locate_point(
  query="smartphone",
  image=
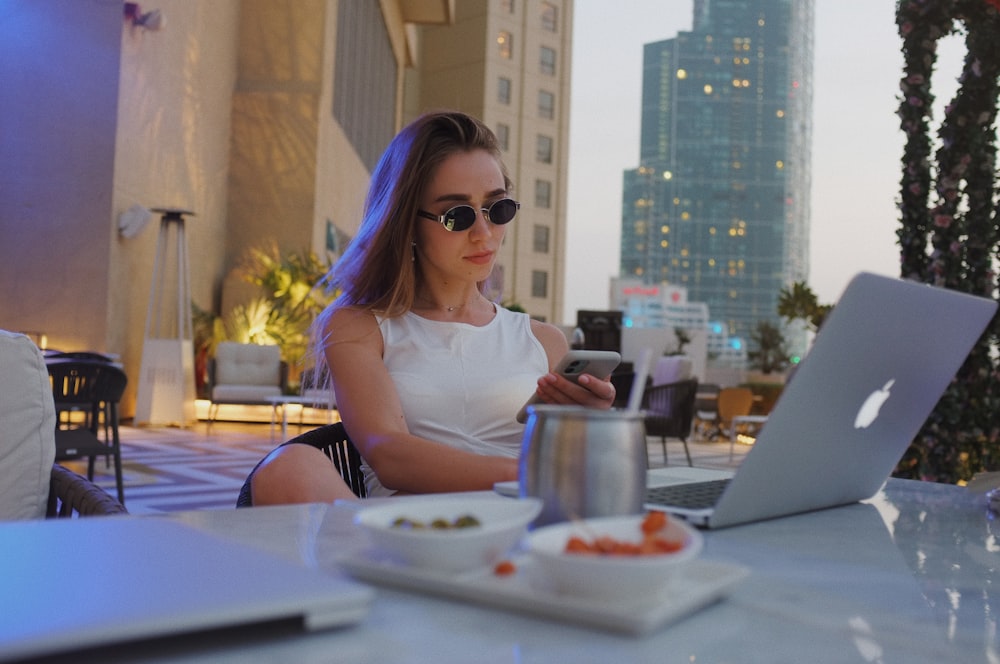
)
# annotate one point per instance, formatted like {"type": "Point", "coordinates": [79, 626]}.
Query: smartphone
{"type": "Point", "coordinates": [599, 363]}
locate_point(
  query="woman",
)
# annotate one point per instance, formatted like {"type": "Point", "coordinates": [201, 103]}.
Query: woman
{"type": "Point", "coordinates": [428, 372]}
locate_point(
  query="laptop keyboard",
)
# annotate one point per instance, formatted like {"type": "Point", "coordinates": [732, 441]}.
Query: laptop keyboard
{"type": "Point", "coordinates": [694, 495]}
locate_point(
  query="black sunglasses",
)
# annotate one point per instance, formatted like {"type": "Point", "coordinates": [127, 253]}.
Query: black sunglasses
{"type": "Point", "coordinates": [462, 217]}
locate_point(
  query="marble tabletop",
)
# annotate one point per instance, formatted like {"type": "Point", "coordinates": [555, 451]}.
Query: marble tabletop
{"type": "Point", "coordinates": [911, 575]}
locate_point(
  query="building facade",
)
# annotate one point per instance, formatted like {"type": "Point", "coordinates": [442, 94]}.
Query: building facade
{"type": "Point", "coordinates": [265, 118]}
{"type": "Point", "coordinates": [519, 84]}
{"type": "Point", "coordinates": [719, 203]}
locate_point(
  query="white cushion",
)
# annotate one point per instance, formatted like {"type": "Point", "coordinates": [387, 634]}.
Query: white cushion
{"type": "Point", "coordinates": [27, 429]}
{"type": "Point", "coordinates": [247, 364]}
{"type": "Point", "coordinates": [244, 393]}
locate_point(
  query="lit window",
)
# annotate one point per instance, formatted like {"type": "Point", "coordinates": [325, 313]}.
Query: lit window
{"type": "Point", "coordinates": [707, 89]}
{"type": "Point", "coordinates": [546, 104]}
{"type": "Point", "coordinates": [550, 17]}
{"type": "Point", "coordinates": [505, 42]}
{"type": "Point", "coordinates": [548, 61]}
{"type": "Point", "coordinates": [682, 74]}
{"type": "Point", "coordinates": [503, 90]}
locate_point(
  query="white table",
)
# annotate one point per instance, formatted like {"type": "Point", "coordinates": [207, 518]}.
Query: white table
{"type": "Point", "coordinates": [282, 402]}
{"type": "Point", "coordinates": [916, 579]}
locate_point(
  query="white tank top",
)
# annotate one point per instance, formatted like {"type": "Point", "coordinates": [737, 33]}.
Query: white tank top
{"type": "Point", "coordinates": [462, 385]}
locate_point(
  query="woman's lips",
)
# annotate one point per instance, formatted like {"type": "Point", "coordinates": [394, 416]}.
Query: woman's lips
{"type": "Point", "coordinates": [481, 258]}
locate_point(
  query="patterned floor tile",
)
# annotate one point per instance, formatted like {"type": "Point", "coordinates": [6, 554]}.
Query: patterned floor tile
{"type": "Point", "coordinates": [170, 469]}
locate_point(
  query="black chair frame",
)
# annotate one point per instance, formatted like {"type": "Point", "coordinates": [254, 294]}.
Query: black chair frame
{"type": "Point", "coordinates": [94, 388]}
{"type": "Point", "coordinates": [668, 411]}
{"type": "Point", "coordinates": [333, 441]}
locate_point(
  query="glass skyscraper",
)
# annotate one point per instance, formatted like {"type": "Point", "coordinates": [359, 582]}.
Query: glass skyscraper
{"type": "Point", "coordinates": [720, 201]}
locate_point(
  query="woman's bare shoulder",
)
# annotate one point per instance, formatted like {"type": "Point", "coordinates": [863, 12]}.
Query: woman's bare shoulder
{"type": "Point", "coordinates": [552, 339]}
{"type": "Point", "coordinates": [351, 324]}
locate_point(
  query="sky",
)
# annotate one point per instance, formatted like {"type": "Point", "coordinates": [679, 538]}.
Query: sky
{"type": "Point", "coordinates": [856, 149]}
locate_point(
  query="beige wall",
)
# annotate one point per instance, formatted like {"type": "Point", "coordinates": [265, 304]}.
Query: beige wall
{"type": "Point", "coordinates": [59, 65]}
{"type": "Point", "coordinates": [226, 111]}
{"type": "Point", "coordinates": [172, 150]}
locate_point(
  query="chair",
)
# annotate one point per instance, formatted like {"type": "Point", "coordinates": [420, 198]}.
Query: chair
{"type": "Point", "coordinates": [72, 495]}
{"type": "Point", "coordinates": [706, 410]}
{"type": "Point", "coordinates": [733, 402]}
{"type": "Point", "coordinates": [668, 410]}
{"type": "Point", "coordinates": [95, 388]}
{"type": "Point", "coordinates": [330, 439]}
{"type": "Point", "coordinates": [623, 387]}
{"type": "Point", "coordinates": [245, 374]}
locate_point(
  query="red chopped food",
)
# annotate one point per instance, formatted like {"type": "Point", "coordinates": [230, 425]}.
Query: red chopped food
{"type": "Point", "coordinates": [505, 568]}
{"type": "Point", "coordinates": [651, 542]}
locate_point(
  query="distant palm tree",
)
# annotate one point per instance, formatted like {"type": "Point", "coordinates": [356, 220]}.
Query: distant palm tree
{"type": "Point", "coordinates": [771, 354]}
{"type": "Point", "coordinates": [801, 303]}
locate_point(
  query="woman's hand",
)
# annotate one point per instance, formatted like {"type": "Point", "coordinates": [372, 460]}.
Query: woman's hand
{"type": "Point", "coordinates": [590, 391]}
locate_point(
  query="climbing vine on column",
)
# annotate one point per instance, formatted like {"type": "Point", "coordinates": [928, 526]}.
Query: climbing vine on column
{"type": "Point", "coordinates": [948, 206]}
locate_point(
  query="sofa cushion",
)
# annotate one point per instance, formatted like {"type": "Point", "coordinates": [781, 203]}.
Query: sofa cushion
{"type": "Point", "coordinates": [27, 429]}
{"type": "Point", "coordinates": [247, 364]}
{"type": "Point", "coordinates": [244, 393]}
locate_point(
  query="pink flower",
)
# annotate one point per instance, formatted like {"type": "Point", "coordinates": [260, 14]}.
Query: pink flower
{"type": "Point", "coordinates": [942, 220]}
{"type": "Point", "coordinates": [915, 188]}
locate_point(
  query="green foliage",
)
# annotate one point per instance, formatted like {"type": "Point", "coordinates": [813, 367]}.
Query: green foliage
{"type": "Point", "coordinates": [770, 352]}
{"type": "Point", "coordinates": [514, 306]}
{"type": "Point", "coordinates": [293, 295]}
{"type": "Point", "coordinates": [948, 210]}
{"type": "Point", "coordinates": [801, 303]}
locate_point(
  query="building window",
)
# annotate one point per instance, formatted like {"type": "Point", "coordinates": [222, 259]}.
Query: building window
{"type": "Point", "coordinates": [505, 42]}
{"type": "Point", "coordinates": [503, 136]}
{"type": "Point", "coordinates": [543, 151]}
{"type": "Point", "coordinates": [550, 17]}
{"type": "Point", "coordinates": [539, 283]}
{"type": "Point", "coordinates": [507, 6]}
{"type": "Point", "coordinates": [503, 90]}
{"type": "Point", "coordinates": [548, 61]}
{"type": "Point", "coordinates": [546, 104]}
{"type": "Point", "coordinates": [543, 194]}
{"type": "Point", "coordinates": [541, 239]}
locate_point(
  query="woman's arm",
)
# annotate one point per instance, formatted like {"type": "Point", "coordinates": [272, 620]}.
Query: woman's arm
{"type": "Point", "coordinates": [370, 408]}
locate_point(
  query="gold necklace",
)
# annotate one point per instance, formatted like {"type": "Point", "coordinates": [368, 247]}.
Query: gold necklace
{"type": "Point", "coordinates": [435, 305]}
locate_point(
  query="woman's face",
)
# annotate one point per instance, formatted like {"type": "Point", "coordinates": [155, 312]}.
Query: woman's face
{"type": "Point", "coordinates": [465, 178]}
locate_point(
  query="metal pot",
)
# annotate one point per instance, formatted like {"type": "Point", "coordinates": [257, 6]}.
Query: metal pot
{"type": "Point", "coordinates": [583, 462]}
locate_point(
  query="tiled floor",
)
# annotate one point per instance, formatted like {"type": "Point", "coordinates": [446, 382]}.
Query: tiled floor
{"type": "Point", "coordinates": [172, 469]}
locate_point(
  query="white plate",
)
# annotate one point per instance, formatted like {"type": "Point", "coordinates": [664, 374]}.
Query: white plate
{"type": "Point", "coordinates": [702, 583]}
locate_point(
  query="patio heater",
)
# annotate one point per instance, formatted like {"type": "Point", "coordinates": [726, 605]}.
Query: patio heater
{"type": "Point", "coordinates": [166, 391]}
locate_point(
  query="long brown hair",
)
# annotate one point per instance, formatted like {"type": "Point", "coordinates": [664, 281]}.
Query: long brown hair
{"type": "Point", "coordinates": [377, 272]}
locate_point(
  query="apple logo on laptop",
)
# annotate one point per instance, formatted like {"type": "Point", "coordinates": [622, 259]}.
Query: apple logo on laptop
{"type": "Point", "coordinates": [870, 408]}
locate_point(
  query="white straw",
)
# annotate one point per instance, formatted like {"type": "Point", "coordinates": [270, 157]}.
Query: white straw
{"type": "Point", "coordinates": [639, 382]}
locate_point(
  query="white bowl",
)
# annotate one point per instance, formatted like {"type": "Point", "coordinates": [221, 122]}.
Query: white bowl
{"type": "Point", "coordinates": [504, 522]}
{"type": "Point", "coordinates": [610, 576]}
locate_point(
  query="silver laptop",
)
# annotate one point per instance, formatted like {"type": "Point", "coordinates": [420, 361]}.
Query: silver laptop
{"type": "Point", "coordinates": [73, 586]}
{"type": "Point", "coordinates": [875, 371]}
